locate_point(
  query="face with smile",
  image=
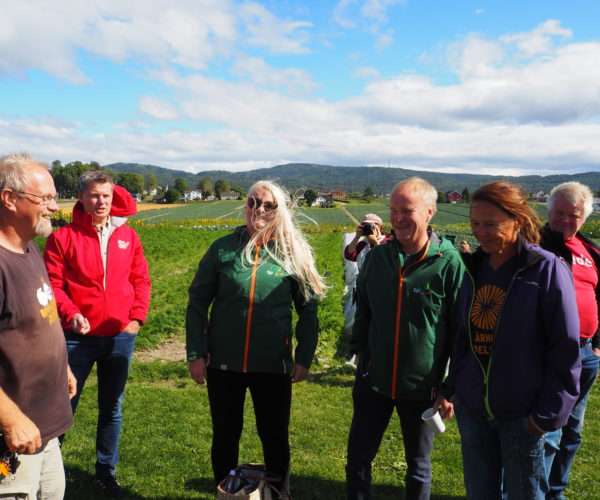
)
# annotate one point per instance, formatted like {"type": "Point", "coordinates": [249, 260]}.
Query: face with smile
{"type": "Point", "coordinates": [260, 208]}
{"type": "Point", "coordinates": [97, 200]}
{"type": "Point", "coordinates": [494, 229]}
{"type": "Point", "coordinates": [35, 211]}
{"type": "Point", "coordinates": [409, 217]}
{"type": "Point", "coordinates": [566, 218]}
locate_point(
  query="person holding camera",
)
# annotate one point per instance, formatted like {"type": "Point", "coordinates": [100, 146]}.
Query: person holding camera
{"type": "Point", "coordinates": [368, 235]}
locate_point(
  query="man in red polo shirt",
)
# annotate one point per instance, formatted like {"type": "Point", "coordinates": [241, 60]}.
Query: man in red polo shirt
{"type": "Point", "coordinates": [569, 205]}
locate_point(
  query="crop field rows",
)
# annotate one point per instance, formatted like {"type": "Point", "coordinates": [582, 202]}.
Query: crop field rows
{"type": "Point", "coordinates": [232, 209]}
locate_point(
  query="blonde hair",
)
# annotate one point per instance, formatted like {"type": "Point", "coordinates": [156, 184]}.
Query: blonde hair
{"type": "Point", "coordinates": [287, 246]}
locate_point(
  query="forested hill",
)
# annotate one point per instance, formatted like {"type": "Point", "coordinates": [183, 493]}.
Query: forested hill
{"type": "Point", "coordinates": [326, 177]}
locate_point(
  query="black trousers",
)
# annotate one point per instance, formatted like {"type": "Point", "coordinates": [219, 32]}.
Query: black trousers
{"type": "Point", "coordinates": [372, 413]}
{"type": "Point", "coordinates": [272, 399]}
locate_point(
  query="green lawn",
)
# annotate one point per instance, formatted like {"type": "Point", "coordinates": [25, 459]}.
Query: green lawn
{"type": "Point", "coordinates": [165, 447]}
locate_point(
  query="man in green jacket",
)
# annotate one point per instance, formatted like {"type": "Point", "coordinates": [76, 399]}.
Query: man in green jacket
{"type": "Point", "coordinates": [405, 319]}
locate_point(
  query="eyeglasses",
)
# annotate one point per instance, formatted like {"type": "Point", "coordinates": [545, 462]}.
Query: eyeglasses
{"type": "Point", "coordinates": [46, 198]}
{"type": "Point", "coordinates": [256, 203]}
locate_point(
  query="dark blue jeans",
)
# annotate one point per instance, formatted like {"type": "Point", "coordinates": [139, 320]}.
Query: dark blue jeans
{"type": "Point", "coordinates": [112, 356]}
{"type": "Point", "coordinates": [562, 445]}
{"type": "Point", "coordinates": [372, 413]}
{"type": "Point", "coordinates": [494, 451]}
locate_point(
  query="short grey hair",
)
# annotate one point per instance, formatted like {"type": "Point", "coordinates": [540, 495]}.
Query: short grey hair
{"type": "Point", "coordinates": [94, 177]}
{"type": "Point", "coordinates": [424, 188]}
{"type": "Point", "coordinates": [13, 171]}
{"type": "Point", "coordinates": [574, 193]}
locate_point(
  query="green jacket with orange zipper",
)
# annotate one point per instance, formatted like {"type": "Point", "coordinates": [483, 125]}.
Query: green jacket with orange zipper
{"type": "Point", "coordinates": [250, 325]}
{"type": "Point", "coordinates": [406, 317]}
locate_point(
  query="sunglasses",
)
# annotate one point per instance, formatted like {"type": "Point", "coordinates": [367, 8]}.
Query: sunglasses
{"type": "Point", "coordinates": [255, 203]}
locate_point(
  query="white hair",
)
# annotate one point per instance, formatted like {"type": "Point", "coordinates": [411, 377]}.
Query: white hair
{"type": "Point", "coordinates": [424, 188]}
{"type": "Point", "coordinates": [287, 246]}
{"type": "Point", "coordinates": [14, 174]}
{"type": "Point", "coordinates": [574, 193]}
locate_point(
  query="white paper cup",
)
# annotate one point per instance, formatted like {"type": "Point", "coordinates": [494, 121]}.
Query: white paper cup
{"type": "Point", "coordinates": [434, 421]}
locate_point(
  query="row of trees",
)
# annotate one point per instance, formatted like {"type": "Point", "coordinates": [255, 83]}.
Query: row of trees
{"type": "Point", "coordinates": [205, 186]}
{"type": "Point", "coordinates": [66, 180]}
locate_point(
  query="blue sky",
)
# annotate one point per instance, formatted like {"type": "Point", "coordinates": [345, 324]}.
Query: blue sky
{"type": "Point", "coordinates": [455, 86]}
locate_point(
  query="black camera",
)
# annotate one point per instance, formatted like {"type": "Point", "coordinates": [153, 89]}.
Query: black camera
{"type": "Point", "coordinates": [367, 229]}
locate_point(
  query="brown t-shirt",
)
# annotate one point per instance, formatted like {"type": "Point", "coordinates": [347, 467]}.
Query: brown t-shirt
{"type": "Point", "coordinates": [33, 356]}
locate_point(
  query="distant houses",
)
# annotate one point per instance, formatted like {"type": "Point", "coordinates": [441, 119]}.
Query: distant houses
{"type": "Point", "coordinates": [321, 200]}
{"type": "Point", "coordinates": [538, 195]}
{"type": "Point", "coordinates": [230, 195]}
{"type": "Point", "coordinates": [192, 195]}
{"type": "Point", "coordinates": [325, 199]}
{"type": "Point", "coordinates": [453, 197]}
{"type": "Point", "coordinates": [338, 195]}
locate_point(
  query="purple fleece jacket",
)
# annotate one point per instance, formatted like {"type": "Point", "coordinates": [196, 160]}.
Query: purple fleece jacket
{"type": "Point", "coordinates": [534, 367]}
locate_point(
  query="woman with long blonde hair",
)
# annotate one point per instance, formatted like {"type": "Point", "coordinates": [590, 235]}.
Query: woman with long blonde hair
{"type": "Point", "coordinates": [252, 278]}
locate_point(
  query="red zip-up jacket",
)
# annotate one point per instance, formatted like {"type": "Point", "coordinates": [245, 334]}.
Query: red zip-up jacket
{"type": "Point", "coordinates": [74, 263]}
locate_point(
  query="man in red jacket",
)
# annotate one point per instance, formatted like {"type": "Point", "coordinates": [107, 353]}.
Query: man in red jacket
{"type": "Point", "coordinates": [100, 279]}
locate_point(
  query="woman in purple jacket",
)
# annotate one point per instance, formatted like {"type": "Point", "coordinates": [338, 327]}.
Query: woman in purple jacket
{"type": "Point", "coordinates": [515, 369]}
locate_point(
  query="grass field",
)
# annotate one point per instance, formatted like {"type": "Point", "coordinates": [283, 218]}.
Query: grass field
{"type": "Point", "coordinates": [165, 448]}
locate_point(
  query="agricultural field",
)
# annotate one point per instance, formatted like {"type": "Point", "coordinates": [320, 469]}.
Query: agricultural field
{"type": "Point", "coordinates": [231, 209]}
{"type": "Point", "coordinates": [324, 216]}
{"type": "Point", "coordinates": [165, 450]}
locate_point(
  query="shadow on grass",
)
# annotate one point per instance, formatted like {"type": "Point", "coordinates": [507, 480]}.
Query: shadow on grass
{"type": "Point", "coordinates": [314, 488]}
{"type": "Point", "coordinates": [341, 376]}
{"type": "Point", "coordinates": [80, 486]}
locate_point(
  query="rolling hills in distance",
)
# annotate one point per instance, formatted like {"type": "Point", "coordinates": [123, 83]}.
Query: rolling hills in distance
{"type": "Point", "coordinates": [353, 179]}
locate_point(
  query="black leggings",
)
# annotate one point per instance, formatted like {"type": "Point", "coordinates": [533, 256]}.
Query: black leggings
{"type": "Point", "coordinates": [272, 398]}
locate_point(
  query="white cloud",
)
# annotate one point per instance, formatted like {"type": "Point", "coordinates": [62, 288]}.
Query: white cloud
{"type": "Point", "coordinates": [346, 11]}
{"type": "Point", "coordinates": [384, 39]}
{"type": "Point", "coordinates": [290, 80]}
{"type": "Point", "coordinates": [265, 30]}
{"type": "Point", "coordinates": [340, 13]}
{"type": "Point", "coordinates": [372, 15]}
{"type": "Point", "coordinates": [538, 41]}
{"type": "Point", "coordinates": [187, 33]}
{"type": "Point", "coordinates": [244, 106]}
{"type": "Point", "coordinates": [491, 150]}
{"type": "Point", "coordinates": [377, 9]}
{"type": "Point", "coordinates": [366, 72]}
{"type": "Point", "coordinates": [157, 108]}
{"type": "Point", "coordinates": [504, 113]}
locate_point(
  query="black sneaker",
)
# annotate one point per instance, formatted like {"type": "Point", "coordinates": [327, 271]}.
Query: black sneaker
{"type": "Point", "coordinates": [110, 486]}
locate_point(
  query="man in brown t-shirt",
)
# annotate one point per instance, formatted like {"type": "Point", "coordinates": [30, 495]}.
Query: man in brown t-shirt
{"type": "Point", "coordinates": [35, 380]}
